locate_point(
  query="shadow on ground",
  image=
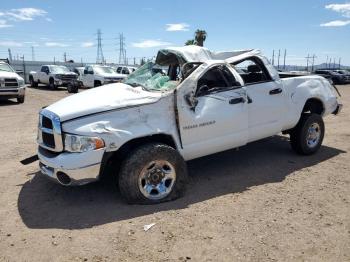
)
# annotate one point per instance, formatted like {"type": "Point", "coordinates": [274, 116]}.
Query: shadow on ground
{"type": "Point", "coordinates": [47, 88]}
{"type": "Point", "coordinates": [8, 102]}
{"type": "Point", "coordinates": [43, 204]}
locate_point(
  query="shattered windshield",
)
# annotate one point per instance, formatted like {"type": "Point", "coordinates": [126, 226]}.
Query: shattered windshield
{"type": "Point", "coordinates": [151, 77]}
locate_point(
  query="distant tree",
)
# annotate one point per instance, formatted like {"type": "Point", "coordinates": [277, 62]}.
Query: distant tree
{"type": "Point", "coordinates": [200, 37]}
{"type": "Point", "coordinates": [190, 42]}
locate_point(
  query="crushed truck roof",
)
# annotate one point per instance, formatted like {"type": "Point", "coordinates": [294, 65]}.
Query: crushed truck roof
{"type": "Point", "coordinates": [194, 53]}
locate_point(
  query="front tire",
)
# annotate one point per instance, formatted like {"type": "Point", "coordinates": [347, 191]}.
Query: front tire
{"type": "Point", "coordinates": [152, 173]}
{"type": "Point", "coordinates": [20, 99]}
{"type": "Point", "coordinates": [52, 85]}
{"type": "Point", "coordinates": [306, 138]}
{"type": "Point", "coordinates": [72, 88]}
{"type": "Point", "coordinates": [32, 82]}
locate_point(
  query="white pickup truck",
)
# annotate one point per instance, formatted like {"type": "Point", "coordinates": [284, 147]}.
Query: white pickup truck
{"type": "Point", "coordinates": [98, 75]}
{"type": "Point", "coordinates": [53, 76]}
{"type": "Point", "coordinates": [11, 84]}
{"type": "Point", "coordinates": [143, 130]}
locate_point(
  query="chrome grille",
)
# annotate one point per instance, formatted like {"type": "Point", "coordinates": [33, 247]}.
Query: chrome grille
{"type": "Point", "coordinates": [49, 131]}
{"type": "Point", "coordinates": [8, 82]}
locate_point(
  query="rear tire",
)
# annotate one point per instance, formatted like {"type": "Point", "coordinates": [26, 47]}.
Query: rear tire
{"type": "Point", "coordinates": [152, 173]}
{"type": "Point", "coordinates": [306, 138]}
{"type": "Point", "coordinates": [97, 83]}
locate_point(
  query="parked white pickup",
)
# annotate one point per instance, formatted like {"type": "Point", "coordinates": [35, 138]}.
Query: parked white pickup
{"type": "Point", "coordinates": [97, 75]}
{"type": "Point", "coordinates": [144, 129]}
{"type": "Point", "coordinates": [11, 84]}
{"type": "Point", "coordinates": [52, 75]}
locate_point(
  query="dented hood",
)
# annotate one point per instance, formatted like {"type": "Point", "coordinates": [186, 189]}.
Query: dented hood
{"type": "Point", "coordinates": [104, 98]}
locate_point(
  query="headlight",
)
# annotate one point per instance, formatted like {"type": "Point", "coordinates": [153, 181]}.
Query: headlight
{"type": "Point", "coordinates": [75, 143]}
{"type": "Point", "coordinates": [21, 82]}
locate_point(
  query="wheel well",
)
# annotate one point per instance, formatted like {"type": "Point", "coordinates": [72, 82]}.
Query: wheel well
{"type": "Point", "coordinates": [111, 161]}
{"type": "Point", "coordinates": [51, 78]}
{"type": "Point", "coordinates": [97, 81]}
{"type": "Point", "coordinates": [313, 105]}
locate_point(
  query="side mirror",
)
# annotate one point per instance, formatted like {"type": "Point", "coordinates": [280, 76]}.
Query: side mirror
{"type": "Point", "coordinates": [202, 90]}
{"type": "Point", "coordinates": [85, 72]}
{"type": "Point", "coordinates": [47, 72]}
{"type": "Point", "coordinates": [191, 100]}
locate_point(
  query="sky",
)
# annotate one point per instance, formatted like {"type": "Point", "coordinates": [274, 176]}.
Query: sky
{"type": "Point", "coordinates": [303, 27]}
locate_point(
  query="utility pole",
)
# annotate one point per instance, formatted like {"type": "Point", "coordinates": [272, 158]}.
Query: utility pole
{"type": "Point", "coordinates": [284, 59]}
{"type": "Point", "coordinates": [24, 68]}
{"type": "Point", "coordinates": [65, 57]}
{"type": "Point", "coordinates": [99, 58]}
{"type": "Point", "coordinates": [273, 57]}
{"type": "Point", "coordinates": [339, 62]}
{"type": "Point", "coordinates": [334, 63]}
{"type": "Point", "coordinates": [54, 60]}
{"type": "Point", "coordinates": [121, 49]}
{"type": "Point", "coordinates": [307, 62]}
{"type": "Point", "coordinates": [313, 62]}
{"type": "Point", "coordinates": [134, 60]}
{"type": "Point", "coordinates": [10, 55]}
{"type": "Point", "coordinates": [33, 54]}
{"type": "Point", "coordinates": [279, 55]}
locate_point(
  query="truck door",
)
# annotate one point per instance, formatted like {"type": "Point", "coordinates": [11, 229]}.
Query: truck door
{"type": "Point", "coordinates": [267, 99]}
{"type": "Point", "coordinates": [44, 75]}
{"type": "Point", "coordinates": [219, 118]}
{"type": "Point", "coordinates": [88, 77]}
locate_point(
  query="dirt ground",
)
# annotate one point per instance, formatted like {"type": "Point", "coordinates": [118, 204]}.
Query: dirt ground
{"type": "Point", "coordinates": [260, 203]}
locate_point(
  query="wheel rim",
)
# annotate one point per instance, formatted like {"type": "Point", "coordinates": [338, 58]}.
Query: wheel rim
{"type": "Point", "coordinates": [313, 135]}
{"type": "Point", "coordinates": [157, 179]}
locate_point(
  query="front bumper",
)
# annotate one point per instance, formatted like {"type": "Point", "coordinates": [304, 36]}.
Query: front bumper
{"type": "Point", "coordinates": [12, 92]}
{"type": "Point", "coordinates": [71, 168]}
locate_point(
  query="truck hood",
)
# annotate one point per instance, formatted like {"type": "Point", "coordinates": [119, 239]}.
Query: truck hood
{"type": "Point", "coordinates": [101, 99]}
{"type": "Point", "coordinates": [112, 75]}
{"type": "Point", "coordinates": [4, 74]}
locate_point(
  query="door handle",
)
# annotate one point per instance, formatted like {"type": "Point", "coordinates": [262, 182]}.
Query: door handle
{"type": "Point", "coordinates": [276, 91]}
{"type": "Point", "coordinates": [237, 100]}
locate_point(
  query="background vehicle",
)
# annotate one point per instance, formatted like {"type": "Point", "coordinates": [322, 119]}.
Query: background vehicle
{"type": "Point", "coordinates": [345, 73]}
{"type": "Point", "coordinates": [125, 70]}
{"type": "Point", "coordinates": [97, 75]}
{"type": "Point", "coordinates": [11, 84]}
{"type": "Point", "coordinates": [337, 78]}
{"type": "Point", "coordinates": [52, 75]}
{"type": "Point", "coordinates": [141, 131]}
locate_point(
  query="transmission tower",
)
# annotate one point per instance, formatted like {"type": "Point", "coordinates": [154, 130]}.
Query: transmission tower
{"type": "Point", "coordinates": [10, 54]}
{"type": "Point", "coordinates": [122, 50]}
{"type": "Point", "coordinates": [33, 54]}
{"type": "Point", "coordinates": [99, 59]}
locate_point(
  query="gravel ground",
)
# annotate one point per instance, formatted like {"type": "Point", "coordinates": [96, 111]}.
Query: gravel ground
{"type": "Point", "coordinates": [259, 203]}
